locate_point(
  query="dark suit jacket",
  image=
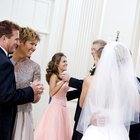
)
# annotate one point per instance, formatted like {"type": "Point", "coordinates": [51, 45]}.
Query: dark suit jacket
{"type": "Point", "coordinates": [10, 97]}
{"type": "Point", "coordinates": [135, 129]}
{"type": "Point", "coordinates": [75, 83]}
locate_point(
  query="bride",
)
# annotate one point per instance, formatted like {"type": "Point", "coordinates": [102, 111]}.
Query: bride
{"type": "Point", "coordinates": [113, 95]}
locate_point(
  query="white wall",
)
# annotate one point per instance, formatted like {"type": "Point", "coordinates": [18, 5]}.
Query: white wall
{"type": "Point", "coordinates": [118, 16]}
{"type": "Point", "coordinates": [135, 47]}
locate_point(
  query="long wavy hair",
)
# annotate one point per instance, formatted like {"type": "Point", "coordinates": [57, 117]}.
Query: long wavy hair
{"type": "Point", "coordinates": [52, 67]}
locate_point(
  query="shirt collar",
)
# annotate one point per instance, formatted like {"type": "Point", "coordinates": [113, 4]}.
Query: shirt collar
{"type": "Point", "coordinates": [4, 50]}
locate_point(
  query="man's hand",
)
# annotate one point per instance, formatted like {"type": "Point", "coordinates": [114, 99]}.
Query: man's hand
{"type": "Point", "coordinates": [36, 98]}
{"type": "Point", "coordinates": [37, 87]}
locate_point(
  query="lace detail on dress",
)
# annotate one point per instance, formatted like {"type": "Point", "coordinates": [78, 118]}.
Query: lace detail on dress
{"type": "Point", "coordinates": [25, 72]}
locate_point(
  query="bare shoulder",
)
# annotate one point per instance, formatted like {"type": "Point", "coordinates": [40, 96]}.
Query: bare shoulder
{"type": "Point", "coordinates": [88, 79]}
{"type": "Point", "coordinates": [53, 77]}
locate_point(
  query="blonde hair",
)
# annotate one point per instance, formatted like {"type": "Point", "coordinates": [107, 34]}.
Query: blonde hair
{"type": "Point", "coordinates": [27, 33]}
{"type": "Point", "coordinates": [100, 41]}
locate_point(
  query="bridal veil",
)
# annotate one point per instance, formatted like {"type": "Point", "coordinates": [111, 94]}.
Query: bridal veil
{"type": "Point", "coordinates": [114, 91]}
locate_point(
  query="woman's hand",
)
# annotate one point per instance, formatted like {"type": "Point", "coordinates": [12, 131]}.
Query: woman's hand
{"type": "Point", "coordinates": [97, 119]}
{"type": "Point", "coordinates": [65, 76]}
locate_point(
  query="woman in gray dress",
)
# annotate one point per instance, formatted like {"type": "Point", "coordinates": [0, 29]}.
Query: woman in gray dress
{"type": "Point", "coordinates": [26, 71]}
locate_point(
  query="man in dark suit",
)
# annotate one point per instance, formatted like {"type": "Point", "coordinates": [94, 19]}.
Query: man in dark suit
{"type": "Point", "coordinates": [135, 128]}
{"type": "Point", "coordinates": [135, 132]}
{"type": "Point", "coordinates": [76, 83]}
{"type": "Point", "coordinates": [9, 96]}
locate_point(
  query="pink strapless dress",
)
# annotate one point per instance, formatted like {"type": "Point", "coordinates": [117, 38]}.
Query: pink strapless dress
{"type": "Point", "coordinates": [55, 122]}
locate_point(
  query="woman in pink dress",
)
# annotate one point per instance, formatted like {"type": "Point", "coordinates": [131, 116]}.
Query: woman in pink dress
{"type": "Point", "coordinates": [55, 122]}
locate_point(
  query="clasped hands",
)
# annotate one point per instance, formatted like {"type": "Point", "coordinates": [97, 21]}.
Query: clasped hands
{"type": "Point", "coordinates": [38, 88]}
{"type": "Point", "coordinates": [65, 76]}
{"type": "Point", "coordinates": [97, 119]}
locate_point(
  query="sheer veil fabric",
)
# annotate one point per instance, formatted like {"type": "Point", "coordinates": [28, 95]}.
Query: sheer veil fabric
{"type": "Point", "coordinates": [114, 91]}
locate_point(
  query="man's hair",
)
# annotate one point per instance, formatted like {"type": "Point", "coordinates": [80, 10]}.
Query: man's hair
{"type": "Point", "coordinates": [99, 52]}
{"type": "Point", "coordinates": [6, 28]}
{"type": "Point", "coordinates": [99, 41]}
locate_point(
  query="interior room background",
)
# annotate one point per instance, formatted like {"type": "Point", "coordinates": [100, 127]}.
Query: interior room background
{"type": "Point", "coordinates": [70, 26]}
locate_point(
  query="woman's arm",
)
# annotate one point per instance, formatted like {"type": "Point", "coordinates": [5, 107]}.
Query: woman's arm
{"type": "Point", "coordinates": [85, 88]}
{"type": "Point", "coordinates": [37, 73]}
{"type": "Point", "coordinates": [83, 93]}
{"type": "Point", "coordinates": [36, 76]}
{"type": "Point", "coordinates": [53, 86]}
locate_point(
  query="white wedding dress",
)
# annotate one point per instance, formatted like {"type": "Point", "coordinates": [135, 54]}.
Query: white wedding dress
{"type": "Point", "coordinates": [105, 133]}
{"type": "Point", "coordinates": [113, 94]}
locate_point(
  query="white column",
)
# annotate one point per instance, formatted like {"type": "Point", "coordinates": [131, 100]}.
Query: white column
{"type": "Point", "coordinates": [136, 37]}
{"type": "Point", "coordinates": [78, 35]}
{"type": "Point", "coordinates": [57, 27]}
{"type": "Point", "coordinates": [138, 62]}
{"type": "Point", "coordinates": [116, 18]}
